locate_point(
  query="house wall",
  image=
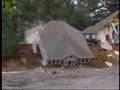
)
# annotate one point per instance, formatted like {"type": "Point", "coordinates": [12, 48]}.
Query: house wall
{"type": "Point", "coordinates": [71, 60]}
{"type": "Point", "coordinates": [101, 35]}
{"type": "Point", "coordinates": [31, 38]}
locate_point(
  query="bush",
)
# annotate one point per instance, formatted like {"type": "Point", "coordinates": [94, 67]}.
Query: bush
{"type": "Point", "coordinates": [9, 34]}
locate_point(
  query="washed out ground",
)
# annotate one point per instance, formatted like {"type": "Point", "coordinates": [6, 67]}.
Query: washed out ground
{"type": "Point", "coordinates": [94, 76]}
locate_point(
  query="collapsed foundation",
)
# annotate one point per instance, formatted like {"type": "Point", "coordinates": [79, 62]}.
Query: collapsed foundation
{"type": "Point", "coordinates": [69, 61]}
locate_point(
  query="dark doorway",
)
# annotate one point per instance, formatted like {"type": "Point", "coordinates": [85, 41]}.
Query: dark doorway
{"type": "Point", "coordinates": [39, 52]}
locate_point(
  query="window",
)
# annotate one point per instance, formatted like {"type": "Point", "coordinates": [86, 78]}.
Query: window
{"type": "Point", "coordinates": [82, 60]}
{"type": "Point", "coordinates": [49, 62]}
{"type": "Point", "coordinates": [57, 61]}
{"type": "Point", "coordinates": [62, 62]}
{"type": "Point", "coordinates": [70, 56]}
{"type": "Point", "coordinates": [93, 36]}
{"type": "Point", "coordinates": [86, 60]}
{"type": "Point", "coordinates": [90, 37]}
{"type": "Point", "coordinates": [87, 36]}
{"type": "Point", "coordinates": [70, 62]}
{"type": "Point", "coordinates": [53, 61]}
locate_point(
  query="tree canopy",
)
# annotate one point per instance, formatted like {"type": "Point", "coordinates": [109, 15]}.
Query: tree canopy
{"type": "Point", "coordinates": [9, 28]}
{"type": "Point", "coordinates": [19, 14]}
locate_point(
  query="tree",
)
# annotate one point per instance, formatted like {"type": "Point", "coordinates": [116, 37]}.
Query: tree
{"type": "Point", "coordinates": [75, 15]}
{"type": "Point", "coordinates": [98, 9]}
{"type": "Point", "coordinates": [112, 5]}
{"type": "Point", "coordinates": [80, 20]}
{"type": "Point", "coordinates": [27, 11]}
{"type": "Point", "coordinates": [9, 28]}
{"type": "Point", "coordinates": [31, 11]}
{"type": "Point", "coordinates": [51, 9]}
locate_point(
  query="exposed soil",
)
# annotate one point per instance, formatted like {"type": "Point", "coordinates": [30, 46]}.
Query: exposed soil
{"type": "Point", "coordinates": [101, 57]}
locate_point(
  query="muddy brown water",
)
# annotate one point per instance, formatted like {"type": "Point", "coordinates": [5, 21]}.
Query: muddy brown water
{"type": "Point", "coordinates": [70, 78]}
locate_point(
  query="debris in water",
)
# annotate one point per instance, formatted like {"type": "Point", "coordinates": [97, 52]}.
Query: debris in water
{"type": "Point", "coordinates": [116, 52]}
{"type": "Point", "coordinates": [23, 60]}
{"type": "Point", "coordinates": [108, 64]}
{"type": "Point", "coordinates": [13, 72]}
{"type": "Point", "coordinates": [109, 55]}
{"type": "Point", "coordinates": [42, 69]}
{"type": "Point", "coordinates": [54, 72]}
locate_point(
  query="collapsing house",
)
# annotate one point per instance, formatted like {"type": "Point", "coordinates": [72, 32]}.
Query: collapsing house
{"type": "Point", "coordinates": [59, 43]}
{"type": "Point", "coordinates": [99, 31]}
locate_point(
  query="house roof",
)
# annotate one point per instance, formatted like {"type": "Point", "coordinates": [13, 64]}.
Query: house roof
{"type": "Point", "coordinates": [60, 40]}
{"type": "Point", "coordinates": [32, 35]}
{"type": "Point", "coordinates": [98, 26]}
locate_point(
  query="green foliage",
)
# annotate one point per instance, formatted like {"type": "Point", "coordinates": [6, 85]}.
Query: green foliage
{"type": "Point", "coordinates": [9, 30]}
{"type": "Point", "coordinates": [23, 13]}
{"type": "Point", "coordinates": [51, 10]}
{"type": "Point", "coordinates": [99, 8]}
{"type": "Point", "coordinates": [80, 20]}
{"type": "Point", "coordinates": [76, 15]}
{"type": "Point", "coordinates": [8, 6]}
{"type": "Point", "coordinates": [31, 11]}
{"type": "Point", "coordinates": [7, 34]}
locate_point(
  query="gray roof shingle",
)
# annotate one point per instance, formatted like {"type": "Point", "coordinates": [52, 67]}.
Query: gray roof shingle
{"type": "Point", "coordinates": [60, 40]}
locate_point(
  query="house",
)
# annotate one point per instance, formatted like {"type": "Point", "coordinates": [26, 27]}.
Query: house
{"type": "Point", "coordinates": [59, 43]}
{"type": "Point", "coordinates": [108, 26]}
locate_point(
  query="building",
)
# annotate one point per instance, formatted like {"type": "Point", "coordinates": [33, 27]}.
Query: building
{"type": "Point", "coordinates": [108, 26]}
{"type": "Point", "coordinates": [59, 43]}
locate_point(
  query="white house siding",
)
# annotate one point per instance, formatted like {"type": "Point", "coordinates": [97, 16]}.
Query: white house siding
{"type": "Point", "coordinates": [32, 38]}
{"type": "Point", "coordinates": [101, 35]}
